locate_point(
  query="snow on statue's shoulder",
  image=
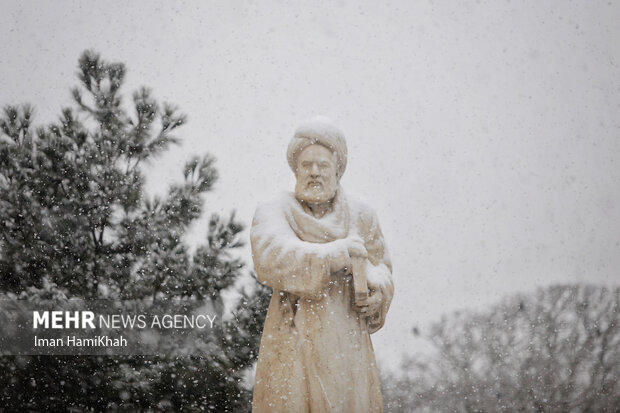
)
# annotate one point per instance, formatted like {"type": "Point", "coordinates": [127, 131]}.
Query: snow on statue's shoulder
{"type": "Point", "coordinates": [271, 226]}
{"type": "Point", "coordinates": [360, 208]}
{"type": "Point", "coordinates": [270, 219]}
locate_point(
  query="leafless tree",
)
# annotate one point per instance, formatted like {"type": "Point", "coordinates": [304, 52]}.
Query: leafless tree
{"type": "Point", "coordinates": [557, 350]}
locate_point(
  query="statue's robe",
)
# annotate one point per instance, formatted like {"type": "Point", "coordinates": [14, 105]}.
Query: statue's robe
{"type": "Point", "coordinates": [316, 354]}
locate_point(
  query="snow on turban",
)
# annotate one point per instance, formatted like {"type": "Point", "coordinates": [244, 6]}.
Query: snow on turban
{"type": "Point", "coordinates": [318, 130]}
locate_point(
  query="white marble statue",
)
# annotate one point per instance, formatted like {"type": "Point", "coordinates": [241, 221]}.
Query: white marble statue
{"type": "Point", "coordinates": [324, 256]}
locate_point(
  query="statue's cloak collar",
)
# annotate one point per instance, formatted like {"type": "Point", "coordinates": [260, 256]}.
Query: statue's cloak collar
{"type": "Point", "coordinates": [332, 226]}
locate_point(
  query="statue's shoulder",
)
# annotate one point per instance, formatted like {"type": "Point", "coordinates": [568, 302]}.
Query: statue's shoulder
{"type": "Point", "coordinates": [360, 208]}
{"type": "Point", "coordinates": [274, 209]}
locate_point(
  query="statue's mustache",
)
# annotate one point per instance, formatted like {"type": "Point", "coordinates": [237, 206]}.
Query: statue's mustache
{"type": "Point", "coordinates": [314, 182]}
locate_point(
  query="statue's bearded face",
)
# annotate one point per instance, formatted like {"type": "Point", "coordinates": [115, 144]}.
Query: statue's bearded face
{"type": "Point", "coordinates": [316, 173]}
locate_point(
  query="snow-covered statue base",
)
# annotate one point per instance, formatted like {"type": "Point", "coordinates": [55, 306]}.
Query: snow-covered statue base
{"type": "Point", "coordinates": [324, 256]}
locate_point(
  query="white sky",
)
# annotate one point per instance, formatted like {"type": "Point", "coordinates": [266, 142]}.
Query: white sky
{"type": "Point", "coordinates": [485, 134]}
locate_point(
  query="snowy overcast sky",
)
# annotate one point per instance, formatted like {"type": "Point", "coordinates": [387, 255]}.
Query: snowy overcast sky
{"type": "Point", "coordinates": [486, 135]}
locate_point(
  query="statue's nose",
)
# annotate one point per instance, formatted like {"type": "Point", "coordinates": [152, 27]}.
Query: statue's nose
{"type": "Point", "coordinates": [315, 169]}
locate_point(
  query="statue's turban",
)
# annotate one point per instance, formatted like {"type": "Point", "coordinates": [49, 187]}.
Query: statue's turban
{"type": "Point", "coordinates": [319, 130]}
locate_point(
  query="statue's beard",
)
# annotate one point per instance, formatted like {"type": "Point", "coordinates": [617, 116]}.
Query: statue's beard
{"type": "Point", "coordinates": [315, 191]}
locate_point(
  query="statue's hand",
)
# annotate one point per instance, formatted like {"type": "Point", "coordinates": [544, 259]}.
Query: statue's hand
{"type": "Point", "coordinates": [356, 247]}
{"type": "Point", "coordinates": [348, 248]}
{"type": "Point", "coordinates": [372, 305]}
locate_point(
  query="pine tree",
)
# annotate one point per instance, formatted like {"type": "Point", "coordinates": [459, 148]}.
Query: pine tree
{"type": "Point", "coordinates": [75, 221]}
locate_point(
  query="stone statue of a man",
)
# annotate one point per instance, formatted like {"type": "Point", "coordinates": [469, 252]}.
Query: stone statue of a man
{"type": "Point", "coordinates": [324, 256]}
